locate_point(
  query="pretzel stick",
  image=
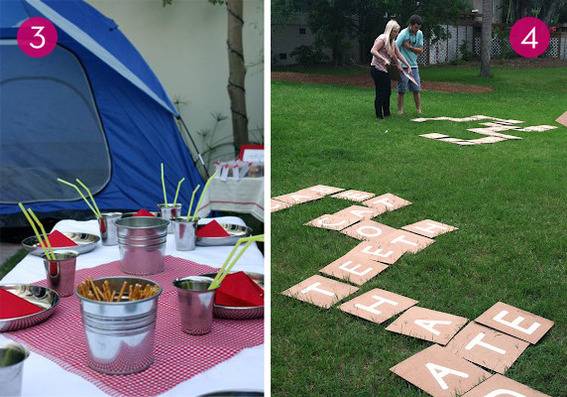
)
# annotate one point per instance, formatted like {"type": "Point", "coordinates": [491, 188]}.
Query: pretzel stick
{"type": "Point", "coordinates": [121, 293]}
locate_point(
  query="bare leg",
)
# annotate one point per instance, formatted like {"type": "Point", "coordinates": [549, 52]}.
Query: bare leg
{"type": "Point", "coordinates": [400, 103]}
{"type": "Point", "coordinates": [417, 99]}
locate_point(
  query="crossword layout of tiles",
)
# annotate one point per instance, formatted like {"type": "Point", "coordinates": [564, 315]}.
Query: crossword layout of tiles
{"type": "Point", "coordinates": [464, 352]}
{"type": "Point", "coordinates": [493, 129]}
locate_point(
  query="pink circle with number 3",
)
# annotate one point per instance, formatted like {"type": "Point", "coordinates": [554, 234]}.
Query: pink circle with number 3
{"type": "Point", "coordinates": [529, 37]}
{"type": "Point", "coordinates": [37, 37]}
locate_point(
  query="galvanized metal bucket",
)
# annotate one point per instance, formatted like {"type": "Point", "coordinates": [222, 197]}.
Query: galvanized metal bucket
{"type": "Point", "coordinates": [107, 226]}
{"type": "Point", "coordinates": [12, 359]}
{"type": "Point", "coordinates": [141, 240]}
{"type": "Point", "coordinates": [185, 237]}
{"type": "Point", "coordinates": [195, 304]}
{"type": "Point", "coordinates": [120, 335]}
{"type": "Point", "coordinates": [170, 212]}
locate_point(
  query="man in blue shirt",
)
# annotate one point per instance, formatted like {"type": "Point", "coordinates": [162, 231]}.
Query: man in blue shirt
{"type": "Point", "coordinates": [410, 43]}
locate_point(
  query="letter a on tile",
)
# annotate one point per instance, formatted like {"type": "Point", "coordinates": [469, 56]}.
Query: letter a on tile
{"type": "Point", "coordinates": [439, 372]}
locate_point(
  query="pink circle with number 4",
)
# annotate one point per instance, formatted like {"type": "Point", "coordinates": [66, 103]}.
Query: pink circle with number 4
{"type": "Point", "coordinates": [37, 37]}
{"type": "Point", "coordinates": [529, 37]}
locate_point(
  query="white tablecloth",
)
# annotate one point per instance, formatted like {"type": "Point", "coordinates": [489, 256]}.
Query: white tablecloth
{"type": "Point", "coordinates": [244, 196]}
{"type": "Point", "coordinates": [42, 377]}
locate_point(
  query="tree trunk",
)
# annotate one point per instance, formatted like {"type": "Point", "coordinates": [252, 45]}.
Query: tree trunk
{"type": "Point", "coordinates": [486, 38]}
{"type": "Point", "coordinates": [237, 73]}
{"type": "Point", "coordinates": [551, 11]}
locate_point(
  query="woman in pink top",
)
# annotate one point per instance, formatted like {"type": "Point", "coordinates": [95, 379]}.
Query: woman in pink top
{"type": "Point", "coordinates": [385, 52]}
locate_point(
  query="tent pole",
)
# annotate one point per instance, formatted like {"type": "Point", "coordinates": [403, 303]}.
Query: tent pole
{"type": "Point", "coordinates": [195, 145]}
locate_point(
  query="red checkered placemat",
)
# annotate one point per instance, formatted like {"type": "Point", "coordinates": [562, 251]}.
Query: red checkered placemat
{"type": "Point", "coordinates": [178, 356]}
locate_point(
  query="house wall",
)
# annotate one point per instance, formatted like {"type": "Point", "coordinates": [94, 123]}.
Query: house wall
{"type": "Point", "coordinates": [185, 45]}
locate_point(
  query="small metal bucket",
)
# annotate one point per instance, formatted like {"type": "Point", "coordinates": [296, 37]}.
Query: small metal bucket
{"type": "Point", "coordinates": [107, 226]}
{"type": "Point", "coordinates": [12, 359]}
{"type": "Point", "coordinates": [61, 272]}
{"type": "Point", "coordinates": [141, 240]}
{"type": "Point", "coordinates": [170, 212]}
{"type": "Point", "coordinates": [120, 335]}
{"type": "Point", "coordinates": [184, 234]}
{"type": "Point", "coordinates": [195, 304]}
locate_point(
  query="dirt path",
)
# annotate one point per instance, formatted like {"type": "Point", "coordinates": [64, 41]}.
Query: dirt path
{"type": "Point", "coordinates": [366, 82]}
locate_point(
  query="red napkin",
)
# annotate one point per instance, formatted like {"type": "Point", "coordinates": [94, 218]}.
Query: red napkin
{"type": "Point", "coordinates": [13, 306]}
{"type": "Point", "coordinates": [58, 239]}
{"type": "Point", "coordinates": [143, 212]}
{"type": "Point", "coordinates": [212, 229]}
{"type": "Point", "coordinates": [237, 289]}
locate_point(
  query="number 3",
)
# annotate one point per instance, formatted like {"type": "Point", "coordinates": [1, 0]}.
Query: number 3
{"type": "Point", "coordinates": [530, 35]}
{"type": "Point", "coordinates": [38, 34]}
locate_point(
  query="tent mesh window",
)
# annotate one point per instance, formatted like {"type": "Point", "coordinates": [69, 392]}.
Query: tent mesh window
{"type": "Point", "coordinates": [49, 127]}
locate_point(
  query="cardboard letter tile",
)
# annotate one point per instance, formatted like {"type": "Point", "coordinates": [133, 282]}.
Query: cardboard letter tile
{"type": "Point", "coordinates": [276, 205]}
{"type": "Point", "coordinates": [429, 228]}
{"type": "Point", "coordinates": [440, 373]}
{"type": "Point", "coordinates": [377, 252]}
{"type": "Point", "coordinates": [434, 135]}
{"type": "Point", "coordinates": [501, 126]}
{"type": "Point", "coordinates": [354, 195]}
{"type": "Point", "coordinates": [367, 230]}
{"type": "Point", "coordinates": [515, 322]}
{"type": "Point", "coordinates": [486, 347]}
{"type": "Point", "coordinates": [361, 212]}
{"type": "Point", "coordinates": [354, 269]}
{"type": "Point", "coordinates": [405, 241]}
{"type": "Point", "coordinates": [299, 197]}
{"type": "Point", "coordinates": [501, 386]}
{"type": "Point", "coordinates": [388, 200]}
{"type": "Point", "coordinates": [562, 119]}
{"type": "Point", "coordinates": [325, 190]}
{"type": "Point", "coordinates": [320, 291]}
{"type": "Point", "coordinates": [426, 324]}
{"type": "Point", "coordinates": [450, 140]}
{"type": "Point", "coordinates": [332, 222]}
{"type": "Point", "coordinates": [377, 305]}
{"type": "Point", "coordinates": [488, 139]}
{"type": "Point", "coordinates": [538, 128]}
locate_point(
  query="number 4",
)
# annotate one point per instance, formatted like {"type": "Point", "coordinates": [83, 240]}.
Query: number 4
{"type": "Point", "coordinates": [531, 35]}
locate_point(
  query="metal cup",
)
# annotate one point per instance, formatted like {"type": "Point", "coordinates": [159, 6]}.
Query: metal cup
{"type": "Point", "coordinates": [61, 271]}
{"type": "Point", "coordinates": [170, 212]}
{"type": "Point", "coordinates": [12, 359]}
{"type": "Point", "coordinates": [195, 304]}
{"type": "Point", "coordinates": [184, 234]}
{"type": "Point", "coordinates": [107, 226]}
{"type": "Point", "coordinates": [120, 335]}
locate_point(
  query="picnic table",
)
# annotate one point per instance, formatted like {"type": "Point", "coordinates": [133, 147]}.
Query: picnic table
{"type": "Point", "coordinates": [42, 376]}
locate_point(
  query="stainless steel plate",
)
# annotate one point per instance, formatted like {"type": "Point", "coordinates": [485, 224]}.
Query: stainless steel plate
{"type": "Point", "coordinates": [45, 298]}
{"type": "Point", "coordinates": [240, 312]}
{"type": "Point", "coordinates": [236, 232]}
{"type": "Point", "coordinates": [85, 243]}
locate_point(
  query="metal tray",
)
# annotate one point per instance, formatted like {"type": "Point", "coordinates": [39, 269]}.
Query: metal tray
{"type": "Point", "coordinates": [85, 243]}
{"type": "Point", "coordinates": [45, 298]}
{"type": "Point", "coordinates": [236, 232]}
{"type": "Point", "coordinates": [240, 313]}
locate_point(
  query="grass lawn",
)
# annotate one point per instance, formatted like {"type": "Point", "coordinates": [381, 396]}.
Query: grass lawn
{"type": "Point", "coordinates": [509, 201]}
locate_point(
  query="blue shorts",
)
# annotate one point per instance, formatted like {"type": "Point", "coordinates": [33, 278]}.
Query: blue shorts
{"type": "Point", "coordinates": [404, 82]}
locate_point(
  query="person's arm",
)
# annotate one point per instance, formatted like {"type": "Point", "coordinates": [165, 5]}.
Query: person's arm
{"type": "Point", "coordinates": [378, 44]}
{"type": "Point", "coordinates": [401, 58]}
{"type": "Point", "coordinates": [417, 50]}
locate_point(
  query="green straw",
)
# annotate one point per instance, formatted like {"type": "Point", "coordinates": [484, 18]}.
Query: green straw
{"type": "Point", "coordinates": [37, 236]}
{"type": "Point", "coordinates": [177, 191]}
{"type": "Point", "coordinates": [42, 229]}
{"type": "Point", "coordinates": [227, 267]}
{"type": "Point", "coordinates": [81, 193]}
{"type": "Point", "coordinates": [203, 195]}
{"type": "Point", "coordinates": [163, 185]}
{"type": "Point", "coordinates": [191, 202]}
{"type": "Point", "coordinates": [90, 195]}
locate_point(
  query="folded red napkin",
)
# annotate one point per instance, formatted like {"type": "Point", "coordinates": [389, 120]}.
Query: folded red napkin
{"type": "Point", "coordinates": [12, 306]}
{"type": "Point", "coordinates": [212, 229]}
{"type": "Point", "coordinates": [143, 212]}
{"type": "Point", "coordinates": [237, 289]}
{"type": "Point", "coordinates": [58, 239]}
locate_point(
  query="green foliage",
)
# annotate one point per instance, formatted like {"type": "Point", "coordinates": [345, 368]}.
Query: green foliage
{"type": "Point", "coordinates": [308, 55]}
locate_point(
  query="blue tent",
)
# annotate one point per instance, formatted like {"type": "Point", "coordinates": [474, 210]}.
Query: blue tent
{"type": "Point", "coordinates": [92, 109]}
